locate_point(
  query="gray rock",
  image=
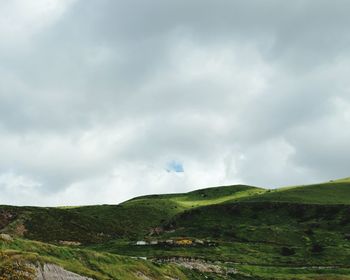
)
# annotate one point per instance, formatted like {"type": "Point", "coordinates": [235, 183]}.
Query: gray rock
{"type": "Point", "coordinates": [54, 272]}
{"type": "Point", "coordinates": [5, 237]}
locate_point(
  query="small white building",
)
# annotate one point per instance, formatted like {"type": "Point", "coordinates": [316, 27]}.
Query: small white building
{"type": "Point", "coordinates": [141, 243]}
{"type": "Point", "coordinates": [198, 241]}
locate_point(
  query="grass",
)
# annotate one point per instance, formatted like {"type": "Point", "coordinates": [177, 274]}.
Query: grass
{"type": "Point", "coordinates": [334, 192]}
{"type": "Point", "coordinates": [97, 265]}
{"type": "Point", "coordinates": [300, 232]}
{"type": "Point", "coordinates": [132, 219]}
{"type": "Point", "coordinates": [216, 196]}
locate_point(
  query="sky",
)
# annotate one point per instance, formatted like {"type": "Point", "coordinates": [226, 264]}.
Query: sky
{"type": "Point", "coordinates": [104, 100]}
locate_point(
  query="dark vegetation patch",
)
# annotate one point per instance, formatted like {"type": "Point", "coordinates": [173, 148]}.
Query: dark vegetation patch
{"type": "Point", "coordinates": [286, 251]}
{"type": "Point", "coordinates": [317, 248]}
{"type": "Point", "coordinates": [6, 217]}
{"type": "Point", "coordinates": [282, 224]}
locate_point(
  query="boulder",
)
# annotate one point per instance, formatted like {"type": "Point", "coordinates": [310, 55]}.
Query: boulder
{"type": "Point", "coordinates": [5, 237]}
{"type": "Point", "coordinates": [54, 272]}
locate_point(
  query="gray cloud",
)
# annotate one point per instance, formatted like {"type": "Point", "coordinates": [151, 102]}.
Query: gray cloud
{"type": "Point", "coordinates": [99, 96]}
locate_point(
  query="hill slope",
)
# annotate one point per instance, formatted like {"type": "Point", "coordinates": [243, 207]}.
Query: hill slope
{"type": "Point", "coordinates": [333, 192]}
{"type": "Point", "coordinates": [251, 233]}
{"type": "Point", "coordinates": [93, 224]}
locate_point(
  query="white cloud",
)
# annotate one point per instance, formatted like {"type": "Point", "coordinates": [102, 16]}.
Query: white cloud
{"type": "Point", "coordinates": [21, 19]}
{"type": "Point", "coordinates": [24, 187]}
{"type": "Point", "coordinates": [96, 97]}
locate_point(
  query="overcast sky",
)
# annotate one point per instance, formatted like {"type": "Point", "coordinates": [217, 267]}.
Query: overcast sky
{"type": "Point", "coordinates": [104, 100]}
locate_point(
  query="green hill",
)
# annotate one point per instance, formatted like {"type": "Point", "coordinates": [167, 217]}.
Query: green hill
{"type": "Point", "coordinates": [200, 197]}
{"type": "Point", "coordinates": [132, 219]}
{"type": "Point", "coordinates": [333, 192]}
{"type": "Point", "coordinates": [228, 232]}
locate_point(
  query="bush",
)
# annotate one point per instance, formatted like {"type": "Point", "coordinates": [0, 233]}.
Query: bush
{"type": "Point", "coordinates": [297, 211]}
{"type": "Point", "coordinates": [309, 231]}
{"type": "Point", "coordinates": [285, 251]}
{"type": "Point", "coordinates": [16, 270]}
{"type": "Point", "coordinates": [317, 248]}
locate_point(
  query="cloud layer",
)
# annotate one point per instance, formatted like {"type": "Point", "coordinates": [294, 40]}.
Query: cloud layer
{"type": "Point", "coordinates": [99, 100]}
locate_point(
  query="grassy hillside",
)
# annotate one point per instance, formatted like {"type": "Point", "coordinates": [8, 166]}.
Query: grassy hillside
{"type": "Point", "coordinates": [89, 263]}
{"type": "Point", "coordinates": [201, 197]}
{"type": "Point", "coordinates": [132, 219]}
{"type": "Point", "coordinates": [333, 192]}
{"type": "Point", "coordinates": [300, 232]}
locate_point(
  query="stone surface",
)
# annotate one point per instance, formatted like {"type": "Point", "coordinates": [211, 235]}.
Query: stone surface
{"type": "Point", "coordinates": [54, 272]}
{"type": "Point", "coordinates": [5, 237]}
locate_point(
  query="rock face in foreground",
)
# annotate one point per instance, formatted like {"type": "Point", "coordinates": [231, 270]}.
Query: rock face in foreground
{"type": "Point", "coordinates": [54, 272]}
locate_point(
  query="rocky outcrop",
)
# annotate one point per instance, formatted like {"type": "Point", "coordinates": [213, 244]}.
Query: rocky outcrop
{"type": "Point", "coordinates": [141, 276]}
{"type": "Point", "coordinates": [198, 265]}
{"type": "Point", "coordinates": [69, 243]}
{"type": "Point", "coordinates": [5, 237]}
{"type": "Point", "coordinates": [54, 272]}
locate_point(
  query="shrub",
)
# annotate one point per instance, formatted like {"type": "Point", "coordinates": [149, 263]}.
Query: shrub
{"type": "Point", "coordinates": [285, 251]}
{"type": "Point", "coordinates": [309, 231]}
{"type": "Point", "coordinates": [16, 270]}
{"type": "Point", "coordinates": [317, 248]}
{"type": "Point", "coordinates": [297, 211]}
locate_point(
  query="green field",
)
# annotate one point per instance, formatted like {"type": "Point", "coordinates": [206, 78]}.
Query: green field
{"type": "Point", "coordinates": [244, 232]}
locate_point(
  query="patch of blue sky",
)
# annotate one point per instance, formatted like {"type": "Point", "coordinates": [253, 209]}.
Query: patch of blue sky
{"type": "Point", "coordinates": [175, 166]}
